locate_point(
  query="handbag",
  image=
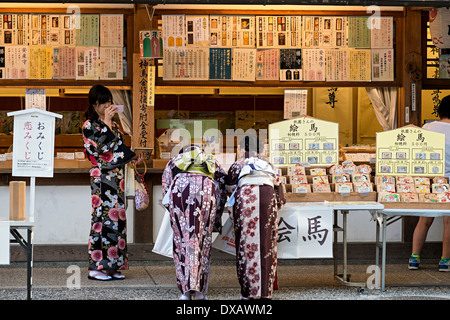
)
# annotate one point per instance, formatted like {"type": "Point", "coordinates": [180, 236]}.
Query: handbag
{"type": "Point", "coordinates": [141, 194]}
{"type": "Point", "coordinates": [164, 240]}
{"type": "Point", "coordinates": [225, 241]}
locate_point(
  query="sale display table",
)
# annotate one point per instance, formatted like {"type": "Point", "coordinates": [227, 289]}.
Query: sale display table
{"type": "Point", "coordinates": [345, 208]}
{"type": "Point", "coordinates": [27, 244]}
{"type": "Point", "coordinates": [391, 213]}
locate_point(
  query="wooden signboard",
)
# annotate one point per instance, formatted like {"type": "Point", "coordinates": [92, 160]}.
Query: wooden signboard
{"type": "Point", "coordinates": [143, 114]}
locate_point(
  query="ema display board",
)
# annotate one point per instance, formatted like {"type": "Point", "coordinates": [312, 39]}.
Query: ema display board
{"type": "Point", "coordinates": [410, 150]}
{"type": "Point", "coordinates": [304, 139]}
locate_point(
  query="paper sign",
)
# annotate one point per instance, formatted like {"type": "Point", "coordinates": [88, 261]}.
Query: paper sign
{"type": "Point", "coordinates": [410, 150]}
{"type": "Point", "coordinates": [305, 232]}
{"type": "Point", "coordinates": [304, 139]}
{"type": "Point", "coordinates": [33, 143]}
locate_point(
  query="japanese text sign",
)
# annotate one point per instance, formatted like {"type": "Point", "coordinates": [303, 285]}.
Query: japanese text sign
{"type": "Point", "coordinates": [304, 139]}
{"type": "Point", "coordinates": [410, 150]}
{"type": "Point", "coordinates": [305, 232]}
{"type": "Point", "coordinates": [33, 143]}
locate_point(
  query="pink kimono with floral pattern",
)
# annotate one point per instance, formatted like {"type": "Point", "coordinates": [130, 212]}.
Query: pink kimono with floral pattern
{"type": "Point", "coordinates": [255, 227]}
{"type": "Point", "coordinates": [196, 204]}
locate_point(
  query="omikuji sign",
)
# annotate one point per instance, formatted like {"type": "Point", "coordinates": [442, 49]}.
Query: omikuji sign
{"type": "Point", "coordinates": [33, 144]}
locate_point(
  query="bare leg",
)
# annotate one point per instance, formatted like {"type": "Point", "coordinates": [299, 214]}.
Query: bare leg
{"type": "Point", "coordinates": [420, 233]}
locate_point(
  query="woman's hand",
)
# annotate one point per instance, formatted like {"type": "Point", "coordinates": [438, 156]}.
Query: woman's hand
{"type": "Point", "coordinates": [110, 112]}
{"type": "Point", "coordinates": [139, 159]}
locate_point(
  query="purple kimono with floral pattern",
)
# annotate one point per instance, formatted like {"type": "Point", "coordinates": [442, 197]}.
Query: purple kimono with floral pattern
{"type": "Point", "coordinates": [108, 154]}
{"type": "Point", "coordinates": [196, 205]}
{"type": "Point", "coordinates": [255, 227]}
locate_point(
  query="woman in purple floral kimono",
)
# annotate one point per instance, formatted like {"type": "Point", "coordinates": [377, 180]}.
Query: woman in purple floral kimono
{"type": "Point", "coordinates": [194, 194]}
{"type": "Point", "coordinates": [105, 148]}
{"type": "Point", "coordinates": [256, 198]}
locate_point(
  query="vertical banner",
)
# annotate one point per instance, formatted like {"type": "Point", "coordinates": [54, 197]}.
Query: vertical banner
{"type": "Point", "coordinates": [143, 114]}
{"type": "Point", "coordinates": [151, 71]}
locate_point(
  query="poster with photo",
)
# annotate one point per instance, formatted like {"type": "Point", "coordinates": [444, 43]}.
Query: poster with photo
{"type": "Point", "coordinates": [173, 31]}
{"type": "Point", "coordinates": [2, 63]}
{"type": "Point", "coordinates": [382, 64]}
{"type": "Point", "coordinates": [278, 31]}
{"type": "Point", "coordinates": [233, 31]}
{"type": "Point", "coordinates": [111, 63]}
{"type": "Point", "coordinates": [324, 32]}
{"type": "Point", "coordinates": [197, 31]}
{"type": "Point", "coordinates": [243, 64]}
{"type": "Point", "coordinates": [87, 63]}
{"type": "Point", "coordinates": [14, 29]}
{"type": "Point", "coordinates": [291, 65]}
{"type": "Point", "coordinates": [68, 29]}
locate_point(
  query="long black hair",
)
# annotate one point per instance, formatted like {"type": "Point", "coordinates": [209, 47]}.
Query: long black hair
{"type": "Point", "coordinates": [97, 95]}
{"type": "Point", "coordinates": [443, 110]}
{"type": "Point", "coordinates": [251, 143]}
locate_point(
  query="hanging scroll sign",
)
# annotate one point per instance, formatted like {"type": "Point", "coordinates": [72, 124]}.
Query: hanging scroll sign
{"type": "Point", "coordinates": [144, 102]}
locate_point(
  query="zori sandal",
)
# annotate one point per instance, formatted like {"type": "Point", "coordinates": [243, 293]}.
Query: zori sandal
{"type": "Point", "coordinates": [117, 276]}
{"type": "Point", "coordinates": [98, 275]}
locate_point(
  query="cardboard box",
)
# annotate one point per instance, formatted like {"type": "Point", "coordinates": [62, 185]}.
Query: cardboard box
{"type": "Point", "coordinates": [17, 200]}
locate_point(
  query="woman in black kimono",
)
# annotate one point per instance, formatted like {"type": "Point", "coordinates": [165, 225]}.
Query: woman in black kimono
{"type": "Point", "coordinates": [105, 148]}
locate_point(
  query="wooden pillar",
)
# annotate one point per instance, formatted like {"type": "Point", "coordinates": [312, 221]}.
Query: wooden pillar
{"type": "Point", "coordinates": [412, 75]}
{"type": "Point", "coordinates": [143, 121]}
{"type": "Point", "coordinates": [409, 107]}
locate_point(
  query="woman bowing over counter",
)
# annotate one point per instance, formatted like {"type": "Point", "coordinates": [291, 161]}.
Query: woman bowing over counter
{"type": "Point", "coordinates": [194, 193]}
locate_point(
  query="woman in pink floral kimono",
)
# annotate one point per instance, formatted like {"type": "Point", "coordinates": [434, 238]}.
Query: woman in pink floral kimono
{"type": "Point", "coordinates": [105, 148]}
{"type": "Point", "coordinates": [256, 197]}
{"type": "Point", "coordinates": [194, 194]}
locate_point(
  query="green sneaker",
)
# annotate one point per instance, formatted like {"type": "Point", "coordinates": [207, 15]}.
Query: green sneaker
{"type": "Point", "coordinates": [414, 262]}
{"type": "Point", "coordinates": [444, 264]}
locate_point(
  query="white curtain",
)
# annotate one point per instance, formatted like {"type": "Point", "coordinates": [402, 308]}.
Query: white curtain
{"type": "Point", "coordinates": [384, 102]}
{"type": "Point", "coordinates": [122, 97]}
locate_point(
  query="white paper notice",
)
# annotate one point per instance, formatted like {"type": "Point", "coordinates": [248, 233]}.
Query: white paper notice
{"type": "Point", "coordinates": [295, 103]}
{"type": "Point", "coordinates": [315, 232]}
{"type": "Point", "coordinates": [244, 64]}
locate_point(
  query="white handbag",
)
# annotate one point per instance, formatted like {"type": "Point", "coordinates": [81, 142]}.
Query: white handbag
{"type": "Point", "coordinates": [164, 240]}
{"type": "Point", "coordinates": [225, 241]}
